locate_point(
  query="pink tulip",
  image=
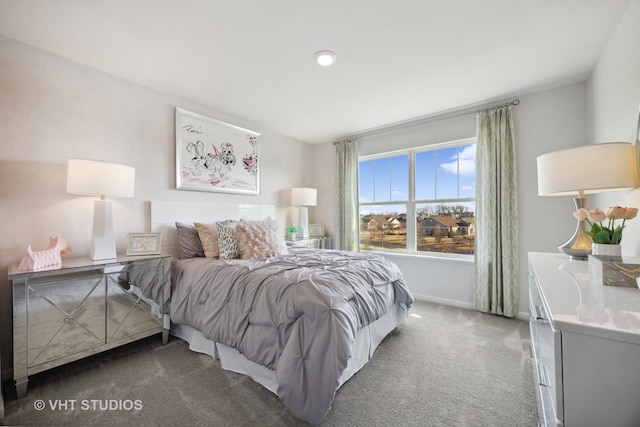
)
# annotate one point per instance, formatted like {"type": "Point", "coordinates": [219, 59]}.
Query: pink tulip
{"type": "Point", "coordinates": [581, 214]}
{"type": "Point", "coordinates": [631, 213]}
{"type": "Point", "coordinates": [596, 215]}
{"type": "Point", "coordinates": [607, 233]}
{"type": "Point", "coordinates": [616, 212]}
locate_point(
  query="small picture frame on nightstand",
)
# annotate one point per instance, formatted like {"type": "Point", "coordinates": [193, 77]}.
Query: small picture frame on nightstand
{"type": "Point", "coordinates": [316, 230]}
{"type": "Point", "coordinates": [143, 244]}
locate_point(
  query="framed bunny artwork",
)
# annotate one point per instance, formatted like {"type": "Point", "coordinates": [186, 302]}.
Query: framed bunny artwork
{"type": "Point", "coordinates": [215, 156]}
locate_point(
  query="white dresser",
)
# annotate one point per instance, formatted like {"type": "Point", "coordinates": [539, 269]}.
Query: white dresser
{"type": "Point", "coordinates": [586, 341]}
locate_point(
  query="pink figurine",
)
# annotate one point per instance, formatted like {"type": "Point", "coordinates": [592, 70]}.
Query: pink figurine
{"type": "Point", "coordinates": [51, 256]}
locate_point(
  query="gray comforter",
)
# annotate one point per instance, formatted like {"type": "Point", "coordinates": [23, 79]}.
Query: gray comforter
{"type": "Point", "coordinates": [297, 314]}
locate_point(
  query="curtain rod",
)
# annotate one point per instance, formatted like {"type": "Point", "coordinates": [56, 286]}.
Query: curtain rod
{"type": "Point", "coordinates": [343, 141]}
{"type": "Point", "coordinates": [494, 107]}
{"type": "Point", "coordinates": [445, 114]}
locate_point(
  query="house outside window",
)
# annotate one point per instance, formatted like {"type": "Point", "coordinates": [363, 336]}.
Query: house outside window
{"type": "Point", "coordinates": [419, 201]}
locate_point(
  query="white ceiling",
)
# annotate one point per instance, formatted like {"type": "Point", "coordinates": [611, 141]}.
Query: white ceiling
{"type": "Point", "coordinates": [253, 59]}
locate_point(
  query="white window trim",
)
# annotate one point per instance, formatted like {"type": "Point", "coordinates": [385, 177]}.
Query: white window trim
{"type": "Point", "coordinates": [411, 203]}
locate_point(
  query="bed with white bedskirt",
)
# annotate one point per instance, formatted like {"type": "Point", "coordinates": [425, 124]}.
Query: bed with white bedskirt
{"type": "Point", "coordinates": [300, 322]}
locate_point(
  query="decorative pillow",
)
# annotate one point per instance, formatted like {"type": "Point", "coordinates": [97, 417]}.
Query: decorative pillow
{"type": "Point", "coordinates": [260, 239]}
{"type": "Point", "coordinates": [227, 245]}
{"type": "Point", "coordinates": [189, 245]}
{"type": "Point", "coordinates": [209, 237]}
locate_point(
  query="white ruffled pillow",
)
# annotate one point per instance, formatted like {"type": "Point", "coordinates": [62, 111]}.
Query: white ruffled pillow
{"type": "Point", "coordinates": [260, 239]}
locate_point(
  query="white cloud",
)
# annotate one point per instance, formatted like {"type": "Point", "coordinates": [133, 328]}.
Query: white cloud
{"type": "Point", "coordinates": [467, 162]}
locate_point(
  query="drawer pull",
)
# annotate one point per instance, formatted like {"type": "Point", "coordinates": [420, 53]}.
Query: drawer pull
{"type": "Point", "coordinates": [542, 376]}
{"type": "Point", "coordinates": [538, 311]}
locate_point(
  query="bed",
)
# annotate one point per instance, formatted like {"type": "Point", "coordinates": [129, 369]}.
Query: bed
{"type": "Point", "coordinates": [299, 321]}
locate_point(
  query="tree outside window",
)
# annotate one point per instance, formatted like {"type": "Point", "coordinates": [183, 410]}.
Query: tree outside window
{"type": "Point", "coordinates": [419, 201]}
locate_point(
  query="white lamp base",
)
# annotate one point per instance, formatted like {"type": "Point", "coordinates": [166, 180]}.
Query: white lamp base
{"type": "Point", "coordinates": [303, 222]}
{"type": "Point", "coordinates": [104, 241]}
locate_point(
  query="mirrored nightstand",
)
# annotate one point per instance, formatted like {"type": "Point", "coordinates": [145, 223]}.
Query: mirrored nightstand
{"type": "Point", "coordinates": [82, 307]}
{"type": "Point", "coordinates": [312, 242]}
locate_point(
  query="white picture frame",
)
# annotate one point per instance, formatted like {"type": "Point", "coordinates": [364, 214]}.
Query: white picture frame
{"type": "Point", "coordinates": [215, 156]}
{"type": "Point", "coordinates": [144, 244]}
{"type": "Point", "coordinates": [316, 230]}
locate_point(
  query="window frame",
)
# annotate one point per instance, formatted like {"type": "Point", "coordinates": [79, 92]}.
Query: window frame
{"type": "Point", "coordinates": [411, 203]}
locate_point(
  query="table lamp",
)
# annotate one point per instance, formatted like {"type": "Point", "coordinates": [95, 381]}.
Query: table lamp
{"type": "Point", "coordinates": [585, 170]}
{"type": "Point", "coordinates": [96, 178]}
{"type": "Point", "coordinates": [303, 197]}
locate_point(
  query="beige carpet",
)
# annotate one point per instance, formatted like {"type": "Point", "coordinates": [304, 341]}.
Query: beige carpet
{"type": "Point", "coordinates": [444, 367]}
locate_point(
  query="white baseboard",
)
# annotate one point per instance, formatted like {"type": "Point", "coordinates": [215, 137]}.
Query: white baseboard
{"type": "Point", "coordinates": [460, 304]}
{"type": "Point", "coordinates": [445, 301]}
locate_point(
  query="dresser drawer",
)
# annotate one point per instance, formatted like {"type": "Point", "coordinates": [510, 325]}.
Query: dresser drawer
{"type": "Point", "coordinates": [547, 350]}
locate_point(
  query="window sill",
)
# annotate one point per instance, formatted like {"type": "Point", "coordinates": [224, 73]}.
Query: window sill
{"type": "Point", "coordinates": [433, 256]}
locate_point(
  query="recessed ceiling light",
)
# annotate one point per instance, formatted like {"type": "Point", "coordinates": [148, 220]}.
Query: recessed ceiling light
{"type": "Point", "coordinates": [325, 57]}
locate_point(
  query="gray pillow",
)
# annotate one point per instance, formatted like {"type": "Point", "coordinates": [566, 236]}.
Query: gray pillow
{"type": "Point", "coordinates": [189, 245]}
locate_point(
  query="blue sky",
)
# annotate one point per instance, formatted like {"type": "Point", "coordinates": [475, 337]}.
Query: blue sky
{"type": "Point", "coordinates": [447, 173]}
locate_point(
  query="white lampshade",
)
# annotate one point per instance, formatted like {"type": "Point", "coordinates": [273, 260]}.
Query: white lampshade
{"type": "Point", "coordinates": [304, 196]}
{"type": "Point", "coordinates": [94, 178]}
{"type": "Point", "coordinates": [588, 169]}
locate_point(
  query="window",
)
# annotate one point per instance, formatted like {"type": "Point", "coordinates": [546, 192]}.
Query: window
{"type": "Point", "coordinates": [420, 200]}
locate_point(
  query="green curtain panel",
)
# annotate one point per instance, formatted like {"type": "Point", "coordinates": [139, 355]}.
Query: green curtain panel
{"type": "Point", "coordinates": [496, 252]}
{"type": "Point", "coordinates": [347, 194]}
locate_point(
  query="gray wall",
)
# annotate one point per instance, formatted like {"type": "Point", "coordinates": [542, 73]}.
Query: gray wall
{"type": "Point", "coordinates": [614, 107]}
{"type": "Point", "coordinates": [52, 110]}
{"type": "Point", "coordinates": [605, 108]}
{"type": "Point", "coordinates": [544, 121]}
